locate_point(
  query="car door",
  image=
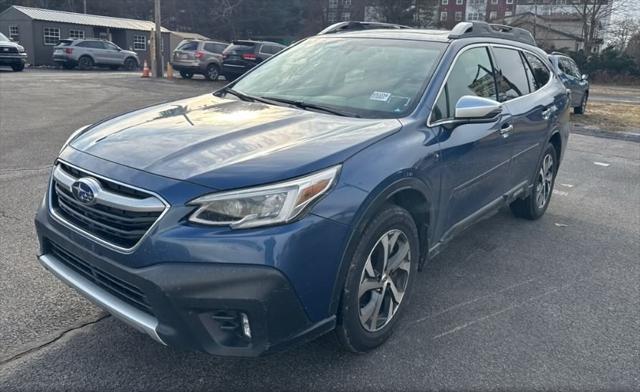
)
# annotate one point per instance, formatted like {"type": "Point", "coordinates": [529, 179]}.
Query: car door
{"type": "Point", "coordinates": [475, 156]}
{"type": "Point", "coordinates": [112, 54]}
{"type": "Point", "coordinates": [530, 110]}
{"type": "Point", "coordinates": [581, 83]}
{"type": "Point", "coordinates": [570, 80]}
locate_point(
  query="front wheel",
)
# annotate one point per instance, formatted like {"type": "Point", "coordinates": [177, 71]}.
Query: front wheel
{"type": "Point", "coordinates": [85, 63]}
{"type": "Point", "coordinates": [213, 72]}
{"type": "Point", "coordinates": [379, 280]}
{"type": "Point", "coordinates": [186, 75]}
{"type": "Point", "coordinates": [130, 64]}
{"type": "Point", "coordinates": [535, 205]}
{"type": "Point", "coordinates": [17, 67]}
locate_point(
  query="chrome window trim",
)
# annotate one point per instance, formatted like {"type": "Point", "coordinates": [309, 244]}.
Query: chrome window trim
{"type": "Point", "coordinates": [91, 236]}
{"type": "Point", "coordinates": [486, 45]}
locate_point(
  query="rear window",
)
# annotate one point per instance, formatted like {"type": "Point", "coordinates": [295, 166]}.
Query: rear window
{"type": "Point", "coordinates": [91, 44]}
{"type": "Point", "coordinates": [188, 46]}
{"type": "Point", "coordinates": [215, 47]}
{"type": "Point", "coordinates": [65, 42]}
{"type": "Point", "coordinates": [240, 47]}
{"type": "Point", "coordinates": [512, 82]}
{"type": "Point", "coordinates": [540, 71]}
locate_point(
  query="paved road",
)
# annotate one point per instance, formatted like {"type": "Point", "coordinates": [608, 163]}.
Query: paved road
{"type": "Point", "coordinates": [510, 305]}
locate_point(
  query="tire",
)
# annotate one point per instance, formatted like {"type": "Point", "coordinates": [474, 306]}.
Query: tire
{"type": "Point", "coordinates": [85, 63]}
{"type": "Point", "coordinates": [583, 105]}
{"type": "Point", "coordinates": [535, 205]}
{"type": "Point", "coordinates": [17, 67]}
{"type": "Point", "coordinates": [130, 64]}
{"type": "Point", "coordinates": [368, 288]}
{"type": "Point", "coordinates": [68, 66]}
{"type": "Point", "coordinates": [213, 72]}
{"type": "Point", "coordinates": [186, 75]}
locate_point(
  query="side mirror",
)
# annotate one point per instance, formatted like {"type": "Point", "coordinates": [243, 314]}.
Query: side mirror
{"type": "Point", "coordinates": [585, 77]}
{"type": "Point", "coordinates": [470, 107]}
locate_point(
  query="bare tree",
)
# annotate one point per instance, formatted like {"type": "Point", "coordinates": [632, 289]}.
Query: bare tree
{"type": "Point", "coordinates": [594, 15]}
{"type": "Point", "coordinates": [621, 32]}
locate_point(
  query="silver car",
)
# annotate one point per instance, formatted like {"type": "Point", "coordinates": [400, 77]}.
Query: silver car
{"type": "Point", "coordinates": [198, 57]}
{"type": "Point", "coordinates": [86, 53]}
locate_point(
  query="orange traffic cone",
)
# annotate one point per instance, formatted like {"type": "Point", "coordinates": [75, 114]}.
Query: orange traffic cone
{"type": "Point", "coordinates": [145, 70]}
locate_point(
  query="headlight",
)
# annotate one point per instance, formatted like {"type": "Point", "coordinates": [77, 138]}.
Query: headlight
{"type": "Point", "coordinates": [73, 136]}
{"type": "Point", "coordinates": [261, 206]}
{"type": "Point", "coordinates": [20, 48]}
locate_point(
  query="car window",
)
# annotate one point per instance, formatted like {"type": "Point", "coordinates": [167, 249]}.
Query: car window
{"type": "Point", "coordinates": [330, 72]}
{"type": "Point", "coordinates": [3, 38]}
{"type": "Point", "coordinates": [530, 78]}
{"type": "Point", "coordinates": [91, 44]}
{"type": "Point", "coordinates": [512, 79]}
{"type": "Point", "coordinates": [188, 46]}
{"type": "Point", "coordinates": [65, 42]}
{"type": "Point", "coordinates": [472, 74]}
{"type": "Point", "coordinates": [564, 65]}
{"type": "Point", "coordinates": [540, 71]}
{"type": "Point", "coordinates": [574, 69]}
{"type": "Point", "coordinates": [214, 48]}
{"type": "Point", "coordinates": [110, 46]}
{"type": "Point", "coordinates": [240, 48]}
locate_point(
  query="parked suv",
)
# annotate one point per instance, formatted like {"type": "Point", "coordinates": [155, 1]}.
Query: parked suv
{"type": "Point", "coordinates": [12, 54]}
{"type": "Point", "coordinates": [570, 75]}
{"type": "Point", "coordinates": [304, 197]}
{"type": "Point", "coordinates": [198, 57]}
{"type": "Point", "coordinates": [85, 53]}
{"type": "Point", "coordinates": [241, 56]}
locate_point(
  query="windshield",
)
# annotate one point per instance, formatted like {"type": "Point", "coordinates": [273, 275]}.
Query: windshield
{"type": "Point", "coordinates": [372, 78]}
{"type": "Point", "coordinates": [3, 37]}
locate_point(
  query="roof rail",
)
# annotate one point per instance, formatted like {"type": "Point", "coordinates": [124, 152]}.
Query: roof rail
{"type": "Point", "coordinates": [484, 29]}
{"type": "Point", "coordinates": [355, 26]}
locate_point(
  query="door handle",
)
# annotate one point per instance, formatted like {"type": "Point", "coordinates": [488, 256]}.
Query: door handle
{"type": "Point", "coordinates": [506, 130]}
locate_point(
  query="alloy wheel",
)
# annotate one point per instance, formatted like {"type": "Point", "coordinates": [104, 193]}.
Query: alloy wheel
{"type": "Point", "coordinates": [544, 182]}
{"type": "Point", "coordinates": [384, 280]}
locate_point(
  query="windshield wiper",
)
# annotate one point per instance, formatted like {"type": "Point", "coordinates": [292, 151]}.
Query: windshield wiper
{"type": "Point", "coordinates": [246, 97]}
{"type": "Point", "coordinates": [311, 106]}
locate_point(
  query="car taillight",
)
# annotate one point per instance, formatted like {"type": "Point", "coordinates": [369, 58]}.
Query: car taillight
{"type": "Point", "coordinates": [199, 54]}
{"type": "Point", "coordinates": [68, 50]}
{"type": "Point", "coordinates": [249, 56]}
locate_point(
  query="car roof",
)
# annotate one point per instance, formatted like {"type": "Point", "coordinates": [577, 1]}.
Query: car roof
{"type": "Point", "coordinates": [241, 41]}
{"type": "Point", "coordinates": [409, 34]}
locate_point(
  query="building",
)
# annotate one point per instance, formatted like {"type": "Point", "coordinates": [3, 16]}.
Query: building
{"type": "Point", "coordinates": [178, 36]}
{"type": "Point", "coordinates": [552, 32]}
{"type": "Point", "coordinates": [39, 30]}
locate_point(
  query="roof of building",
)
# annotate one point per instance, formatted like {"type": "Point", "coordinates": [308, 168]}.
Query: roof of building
{"type": "Point", "coordinates": [187, 35]}
{"type": "Point", "coordinates": [86, 19]}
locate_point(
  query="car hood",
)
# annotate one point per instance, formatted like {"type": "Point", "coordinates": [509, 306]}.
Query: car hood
{"type": "Point", "coordinates": [225, 144]}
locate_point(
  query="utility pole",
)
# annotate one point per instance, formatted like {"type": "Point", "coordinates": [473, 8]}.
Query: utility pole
{"type": "Point", "coordinates": [159, 71]}
{"type": "Point", "coordinates": [535, 17]}
{"type": "Point", "coordinates": [84, 6]}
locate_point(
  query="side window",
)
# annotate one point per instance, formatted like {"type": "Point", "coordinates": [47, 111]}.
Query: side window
{"type": "Point", "coordinates": [472, 74]}
{"type": "Point", "coordinates": [512, 82]}
{"type": "Point", "coordinates": [214, 48]}
{"type": "Point", "coordinates": [564, 66]}
{"type": "Point", "coordinates": [110, 46]}
{"type": "Point", "coordinates": [530, 78]}
{"type": "Point", "coordinates": [191, 46]}
{"type": "Point", "coordinates": [575, 70]}
{"type": "Point", "coordinates": [540, 71]}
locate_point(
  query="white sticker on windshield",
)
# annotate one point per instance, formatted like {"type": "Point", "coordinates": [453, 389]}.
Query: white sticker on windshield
{"type": "Point", "coordinates": [380, 96]}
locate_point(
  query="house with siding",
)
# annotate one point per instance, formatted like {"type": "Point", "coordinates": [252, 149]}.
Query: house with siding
{"type": "Point", "coordinates": [39, 30]}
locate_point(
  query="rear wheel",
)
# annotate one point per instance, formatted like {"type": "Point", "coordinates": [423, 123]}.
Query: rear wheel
{"type": "Point", "coordinates": [379, 280]}
{"type": "Point", "coordinates": [85, 63]}
{"type": "Point", "coordinates": [17, 67]}
{"type": "Point", "coordinates": [186, 75]}
{"type": "Point", "coordinates": [130, 64]}
{"type": "Point", "coordinates": [213, 72]}
{"type": "Point", "coordinates": [535, 205]}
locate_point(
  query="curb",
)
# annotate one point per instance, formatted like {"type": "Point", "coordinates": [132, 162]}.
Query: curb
{"type": "Point", "coordinates": [597, 132]}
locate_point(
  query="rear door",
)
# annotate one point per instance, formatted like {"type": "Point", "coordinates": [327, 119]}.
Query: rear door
{"type": "Point", "coordinates": [185, 52]}
{"type": "Point", "coordinates": [530, 106]}
{"type": "Point", "coordinates": [475, 156]}
{"type": "Point", "coordinates": [95, 49]}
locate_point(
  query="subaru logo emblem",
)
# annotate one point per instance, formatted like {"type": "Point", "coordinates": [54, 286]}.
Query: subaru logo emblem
{"type": "Point", "coordinates": [85, 190]}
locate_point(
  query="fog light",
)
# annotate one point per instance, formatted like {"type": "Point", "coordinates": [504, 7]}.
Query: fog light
{"type": "Point", "coordinates": [246, 329]}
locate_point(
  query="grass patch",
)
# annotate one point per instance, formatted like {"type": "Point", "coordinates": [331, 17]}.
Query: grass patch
{"type": "Point", "coordinates": [610, 116]}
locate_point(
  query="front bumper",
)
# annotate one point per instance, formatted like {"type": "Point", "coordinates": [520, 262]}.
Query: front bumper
{"type": "Point", "coordinates": [13, 59]}
{"type": "Point", "coordinates": [192, 306]}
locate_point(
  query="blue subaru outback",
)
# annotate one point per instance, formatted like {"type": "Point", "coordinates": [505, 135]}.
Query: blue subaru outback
{"type": "Point", "coordinates": [304, 197]}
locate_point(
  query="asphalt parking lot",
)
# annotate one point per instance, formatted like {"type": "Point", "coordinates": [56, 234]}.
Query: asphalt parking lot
{"type": "Point", "coordinates": [512, 304]}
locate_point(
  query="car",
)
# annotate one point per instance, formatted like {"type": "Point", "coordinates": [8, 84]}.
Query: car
{"type": "Point", "coordinates": [198, 57]}
{"type": "Point", "coordinates": [12, 54]}
{"type": "Point", "coordinates": [243, 55]}
{"type": "Point", "coordinates": [87, 53]}
{"type": "Point", "coordinates": [305, 197]}
{"type": "Point", "coordinates": [578, 83]}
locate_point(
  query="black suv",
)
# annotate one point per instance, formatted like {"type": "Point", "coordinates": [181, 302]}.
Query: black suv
{"type": "Point", "coordinates": [241, 56]}
{"type": "Point", "coordinates": [198, 57]}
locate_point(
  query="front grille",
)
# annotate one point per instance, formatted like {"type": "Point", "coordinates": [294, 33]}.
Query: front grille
{"type": "Point", "coordinates": [115, 286]}
{"type": "Point", "coordinates": [8, 49]}
{"type": "Point", "coordinates": [122, 225]}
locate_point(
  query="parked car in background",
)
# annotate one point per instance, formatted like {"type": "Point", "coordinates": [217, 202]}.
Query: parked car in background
{"type": "Point", "coordinates": [571, 77]}
{"type": "Point", "coordinates": [198, 57]}
{"type": "Point", "coordinates": [304, 197]}
{"type": "Point", "coordinates": [241, 56]}
{"type": "Point", "coordinates": [12, 54]}
{"type": "Point", "coordinates": [86, 53]}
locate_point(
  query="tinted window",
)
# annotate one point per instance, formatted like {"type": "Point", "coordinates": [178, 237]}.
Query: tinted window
{"type": "Point", "coordinates": [575, 71]}
{"type": "Point", "coordinates": [110, 46]}
{"type": "Point", "coordinates": [530, 78]}
{"type": "Point", "coordinates": [240, 48]}
{"type": "Point", "coordinates": [188, 46]}
{"type": "Point", "coordinates": [91, 44]}
{"type": "Point", "coordinates": [512, 82]}
{"type": "Point", "coordinates": [214, 48]}
{"type": "Point", "coordinates": [472, 74]}
{"type": "Point", "coordinates": [540, 71]}
{"type": "Point", "coordinates": [65, 42]}
{"type": "Point", "coordinates": [564, 65]}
